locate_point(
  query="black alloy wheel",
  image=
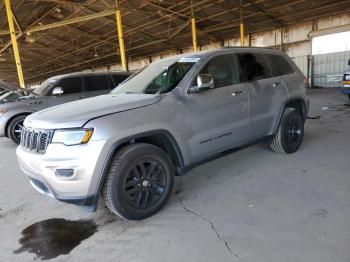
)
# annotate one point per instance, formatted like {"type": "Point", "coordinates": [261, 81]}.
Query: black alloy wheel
{"type": "Point", "coordinates": [14, 129]}
{"type": "Point", "coordinates": [139, 181]}
{"type": "Point", "coordinates": [145, 183]}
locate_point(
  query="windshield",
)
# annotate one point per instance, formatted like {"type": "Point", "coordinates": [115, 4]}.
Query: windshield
{"type": "Point", "coordinates": [42, 89]}
{"type": "Point", "coordinates": [157, 78]}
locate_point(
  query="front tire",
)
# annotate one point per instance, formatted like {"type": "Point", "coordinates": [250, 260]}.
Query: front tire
{"type": "Point", "coordinates": [290, 133]}
{"type": "Point", "coordinates": [14, 129]}
{"type": "Point", "coordinates": [139, 182]}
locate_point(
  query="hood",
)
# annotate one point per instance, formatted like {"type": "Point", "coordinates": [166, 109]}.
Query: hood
{"type": "Point", "coordinates": [17, 99]}
{"type": "Point", "coordinates": [77, 113]}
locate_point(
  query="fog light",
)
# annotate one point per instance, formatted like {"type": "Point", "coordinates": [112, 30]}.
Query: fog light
{"type": "Point", "coordinates": [64, 172]}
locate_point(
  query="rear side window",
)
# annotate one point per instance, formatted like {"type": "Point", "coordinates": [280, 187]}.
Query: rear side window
{"type": "Point", "coordinates": [254, 66]}
{"type": "Point", "coordinates": [118, 79]}
{"type": "Point", "coordinates": [96, 83]}
{"type": "Point", "coordinates": [223, 70]}
{"type": "Point", "coordinates": [280, 65]}
{"type": "Point", "coordinates": [71, 85]}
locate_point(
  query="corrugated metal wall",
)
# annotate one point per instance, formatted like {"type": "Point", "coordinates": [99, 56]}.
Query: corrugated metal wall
{"type": "Point", "coordinates": [328, 69]}
{"type": "Point", "coordinates": [302, 63]}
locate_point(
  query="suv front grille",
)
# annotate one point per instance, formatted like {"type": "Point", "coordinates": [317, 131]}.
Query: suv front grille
{"type": "Point", "coordinates": [36, 140]}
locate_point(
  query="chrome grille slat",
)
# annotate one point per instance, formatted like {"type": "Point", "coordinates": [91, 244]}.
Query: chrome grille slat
{"type": "Point", "coordinates": [36, 140]}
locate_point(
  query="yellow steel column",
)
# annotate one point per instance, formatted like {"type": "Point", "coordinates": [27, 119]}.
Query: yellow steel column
{"type": "Point", "coordinates": [241, 24]}
{"type": "Point", "coordinates": [194, 29]}
{"type": "Point", "coordinates": [121, 37]}
{"type": "Point", "coordinates": [281, 43]}
{"type": "Point", "coordinates": [14, 43]}
{"type": "Point", "coordinates": [249, 39]}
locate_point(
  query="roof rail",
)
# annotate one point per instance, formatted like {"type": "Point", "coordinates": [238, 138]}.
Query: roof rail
{"type": "Point", "coordinates": [238, 47]}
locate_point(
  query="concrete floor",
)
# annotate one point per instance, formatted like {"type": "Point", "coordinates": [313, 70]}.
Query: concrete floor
{"type": "Point", "coordinates": [253, 205]}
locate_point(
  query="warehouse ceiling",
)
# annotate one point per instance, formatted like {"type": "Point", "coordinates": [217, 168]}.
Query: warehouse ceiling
{"type": "Point", "coordinates": [60, 36]}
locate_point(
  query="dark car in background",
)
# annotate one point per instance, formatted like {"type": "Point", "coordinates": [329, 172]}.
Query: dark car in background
{"type": "Point", "coordinates": [54, 91]}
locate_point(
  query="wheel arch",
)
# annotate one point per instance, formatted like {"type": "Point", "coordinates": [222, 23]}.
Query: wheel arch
{"type": "Point", "coordinates": [13, 117]}
{"type": "Point", "coordinates": [296, 103]}
{"type": "Point", "coordinates": [160, 138]}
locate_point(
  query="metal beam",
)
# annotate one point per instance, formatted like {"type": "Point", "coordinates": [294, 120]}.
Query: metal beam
{"type": "Point", "coordinates": [120, 37]}
{"type": "Point", "coordinates": [281, 42]}
{"type": "Point", "coordinates": [16, 21]}
{"type": "Point", "coordinates": [71, 21]}
{"type": "Point", "coordinates": [69, 3]}
{"type": "Point", "coordinates": [194, 30]}
{"type": "Point", "coordinates": [8, 44]}
{"type": "Point", "coordinates": [249, 39]}
{"type": "Point", "coordinates": [241, 24]}
{"type": "Point", "coordinates": [14, 43]}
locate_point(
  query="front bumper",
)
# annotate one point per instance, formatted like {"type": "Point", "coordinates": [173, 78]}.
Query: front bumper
{"type": "Point", "coordinates": [346, 89]}
{"type": "Point", "coordinates": [80, 188]}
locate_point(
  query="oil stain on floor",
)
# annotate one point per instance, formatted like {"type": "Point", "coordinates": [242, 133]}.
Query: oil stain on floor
{"type": "Point", "coordinates": [53, 237]}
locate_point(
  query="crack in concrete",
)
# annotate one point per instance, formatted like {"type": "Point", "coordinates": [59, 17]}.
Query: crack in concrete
{"type": "Point", "coordinates": [219, 236]}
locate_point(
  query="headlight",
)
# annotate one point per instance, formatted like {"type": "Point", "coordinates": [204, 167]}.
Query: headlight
{"type": "Point", "coordinates": [71, 137]}
{"type": "Point", "coordinates": [3, 111]}
{"type": "Point", "coordinates": [347, 77]}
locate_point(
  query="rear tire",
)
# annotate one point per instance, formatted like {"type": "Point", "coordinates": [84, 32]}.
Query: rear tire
{"type": "Point", "coordinates": [290, 133]}
{"type": "Point", "coordinates": [14, 129]}
{"type": "Point", "coordinates": [139, 182]}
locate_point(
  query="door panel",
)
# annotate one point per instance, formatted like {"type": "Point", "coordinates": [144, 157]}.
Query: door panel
{"type": "Point", "coordinates": [218, 118]}
{"type": "Point", "coordinates": [265, 92]}
{"type": "Point", "coordinates": [265, 97]}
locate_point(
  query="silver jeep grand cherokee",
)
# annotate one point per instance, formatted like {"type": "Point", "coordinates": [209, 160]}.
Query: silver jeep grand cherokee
{"type": "Point", "coordinates": [173, 114]}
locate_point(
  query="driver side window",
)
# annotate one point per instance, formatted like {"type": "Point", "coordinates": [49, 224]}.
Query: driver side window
{"type": "Point", "coordinates": [223, 70]}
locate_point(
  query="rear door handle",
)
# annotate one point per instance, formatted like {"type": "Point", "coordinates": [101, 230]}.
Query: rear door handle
{"type": "Point", "coordinates": [238, 93]}
{"type": "Point", "coordinates": [276, 84]}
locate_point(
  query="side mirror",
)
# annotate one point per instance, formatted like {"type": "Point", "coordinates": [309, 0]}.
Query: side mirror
{"type": "Point", "coordinates": [349, 62]}
{"type": "Point", "coordinates": [57, 91]}
{"type": "Point", "coordinates": [204, 82]}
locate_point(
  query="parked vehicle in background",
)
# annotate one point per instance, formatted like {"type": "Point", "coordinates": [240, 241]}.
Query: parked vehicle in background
{"type": "Point", "coordinates": [6, 87]}
{"type": "Point", "coordinates": [3, 91]}
{"type": "Point", "coordinates": [54, 91]}
{"type": "Point", "coordinates": [12, 96]}
{"type": "Point", "coordinates": [172, 115]}
{"type": "Point", "coordinates": [346, 84]}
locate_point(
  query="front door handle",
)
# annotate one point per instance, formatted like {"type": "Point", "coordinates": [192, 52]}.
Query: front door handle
{"type": "Point", "coordinates": [35, 103]}
{"type": "Point", "coordinates": [276, 84]}
{"type": "Point", "coordinates": [238, 93]}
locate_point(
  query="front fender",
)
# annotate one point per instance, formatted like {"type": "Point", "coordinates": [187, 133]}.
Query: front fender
{"type": "Point", "coordinates": [101, 170]}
